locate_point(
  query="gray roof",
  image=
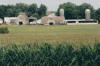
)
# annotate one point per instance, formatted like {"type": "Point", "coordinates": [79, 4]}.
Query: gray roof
{"type": "Point", "coordinates": [31, 17]}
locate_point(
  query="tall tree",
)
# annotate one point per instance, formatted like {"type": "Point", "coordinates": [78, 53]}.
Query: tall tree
{"type": "Point", "coordinates": [73, 11]}
{"type": "Point", "coordinates": [11, 11]}
{"type": "Point", "coordinates": [70, 10]}
{"type": "Point", "coordinates": [21, 7]}
{"type": "Point", "coordinates": [3, 11]}
{"type": "Point", "coordinates": [32, 9]}
{"type": "Point", "coordinates": [82, 8]}
{"type": "Point", "coordinates": [42, 10]}
{"type": "Point", "coordinates": [97, 13]}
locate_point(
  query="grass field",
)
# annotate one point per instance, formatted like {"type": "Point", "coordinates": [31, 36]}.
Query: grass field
{"type": "Point", "coordinates": [60, 33]}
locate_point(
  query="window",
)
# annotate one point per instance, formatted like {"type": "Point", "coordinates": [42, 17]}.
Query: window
{"type": "Point", "coordinates": [51, 23]}
{"type": "Point", "coordinates": [20, 23]}
{"type": "Point", "coordinates": [71, 21]}
{"type": "Point", "coordinates": [87, 21]}
{"type": "Point", "coordinates": [31, 20]}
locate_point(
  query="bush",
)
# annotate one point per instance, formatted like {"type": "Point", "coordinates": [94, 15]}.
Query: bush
{"type": "Point", "coordinates": [4, 30]}
{"type": "Point", "coordinates": [49, 55]}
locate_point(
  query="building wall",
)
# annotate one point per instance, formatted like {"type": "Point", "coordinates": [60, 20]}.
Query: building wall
{"type": "Point", "coordinates": [22, 18]}
{"type": "Point", "coordinates": [54, 19]}
{"type": "Point", "coordinates": [8, 20]}
{"type": "Point", "coordinates": [15, 20]}
{"type": "Point", "coordinates": [83, 22]}
{"type": "Point", "coordinates": [1, 21]}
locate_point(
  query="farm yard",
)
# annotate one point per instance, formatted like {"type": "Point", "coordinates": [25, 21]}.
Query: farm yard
{"type": "Point", "coordinates": [77, 34]}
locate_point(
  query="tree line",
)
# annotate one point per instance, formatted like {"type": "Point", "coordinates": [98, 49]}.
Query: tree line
{"type": "Point", "coordinates": [73, 11]}
{"type": "Point", "coordinates": [30, 10]}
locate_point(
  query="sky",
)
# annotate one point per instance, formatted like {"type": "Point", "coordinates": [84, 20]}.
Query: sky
{"type": "Point", "coordinates": [52, 5]}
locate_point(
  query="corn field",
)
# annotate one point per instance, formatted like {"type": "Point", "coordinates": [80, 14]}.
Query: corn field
{"type": "Point", "coordinates": [46, 54]}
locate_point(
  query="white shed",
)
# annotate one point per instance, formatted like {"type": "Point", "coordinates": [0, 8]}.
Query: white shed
{"type": "Point", "coordinates": [10, 20]}
{"type": "Point", "coordinates": [1, 21]}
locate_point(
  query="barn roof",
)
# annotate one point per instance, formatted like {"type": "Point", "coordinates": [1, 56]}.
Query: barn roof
{"type": "Point", "coordinates": [31, 17]}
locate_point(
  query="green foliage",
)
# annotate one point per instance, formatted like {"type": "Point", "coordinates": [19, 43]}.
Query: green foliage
{"type": "Point", "coordinates": [3, 11]}
{"type": "Point", "coordinates": [73, 11]}
{"type": "Point", "coordinates": [42, 10]}
{"type": "Point", "coordinates": [4, 30]}
{"type": "Point", "coordinates": [21, 7]}
{"type": "Point", "coordinates": [70, 10]}
{"type": "Point", "coordinates": [97, 14]}
{"type": "Point", "coordinates": [83, 7]}
{"type": "Point", "coordinates": [30, 10]}
{"type": "Point", "coordinates": [49, 55]}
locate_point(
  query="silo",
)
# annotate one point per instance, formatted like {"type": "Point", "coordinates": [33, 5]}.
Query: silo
{"type": "Point", "coordinates": [61, 12]}
{"type": "Point", "coordinates": [87, 14]}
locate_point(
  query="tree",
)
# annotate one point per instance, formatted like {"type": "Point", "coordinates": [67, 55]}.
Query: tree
{"type": "Point", "coordinates": [81, 10]}
{"type": "Point", "coordinates": [36, 15]}
{"type": "Point", "coordinates": [42, 10]}
{"type": "Point", "coordinates": [97, 13]}
{"type": "Point", "coordinates": [70, 10]}
{"type": "Point", "coordinates": [3, 11]}
{"type": "Point", "coordinates": [32, 9]}
{"type": "Point", "coordinates": [11, 11]}
{"type": "Point", "coordinates": [73, 11]}
{"type": "Point", "coordinates": [21, 7]}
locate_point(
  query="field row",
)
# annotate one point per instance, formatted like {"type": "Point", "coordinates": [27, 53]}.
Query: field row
{"type": "Point", "coordinates": [58, 33]}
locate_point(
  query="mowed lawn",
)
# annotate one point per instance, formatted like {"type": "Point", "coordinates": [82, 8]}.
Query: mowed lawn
{"type": "Point", "coordinates": [59, 33]}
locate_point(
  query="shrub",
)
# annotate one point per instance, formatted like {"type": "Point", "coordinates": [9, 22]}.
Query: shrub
{"type": "Point", "coordinates": [4, 30]}
{"type": "Point", "coordinates": [49, 55]}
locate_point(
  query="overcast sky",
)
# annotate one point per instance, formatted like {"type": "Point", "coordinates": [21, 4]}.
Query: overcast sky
{"type": "Point", "coordinates": [52, 4]}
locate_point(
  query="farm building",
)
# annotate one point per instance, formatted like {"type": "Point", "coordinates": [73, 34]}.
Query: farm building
{"type": "Point", "coordinates": [52, 19]}
{"type": "Point", "coordinates": [80, 22]}
{"type": "Point", "coordinates": [32, 20]}
{"type": "Point", "coordinates": [1, 21]}
{"type": "Point", "coordinates": [22, 19]}
{"type": "Point", "coordinates": [10, 20]}
{"type": "Point", "coordinates": [85, 21]}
